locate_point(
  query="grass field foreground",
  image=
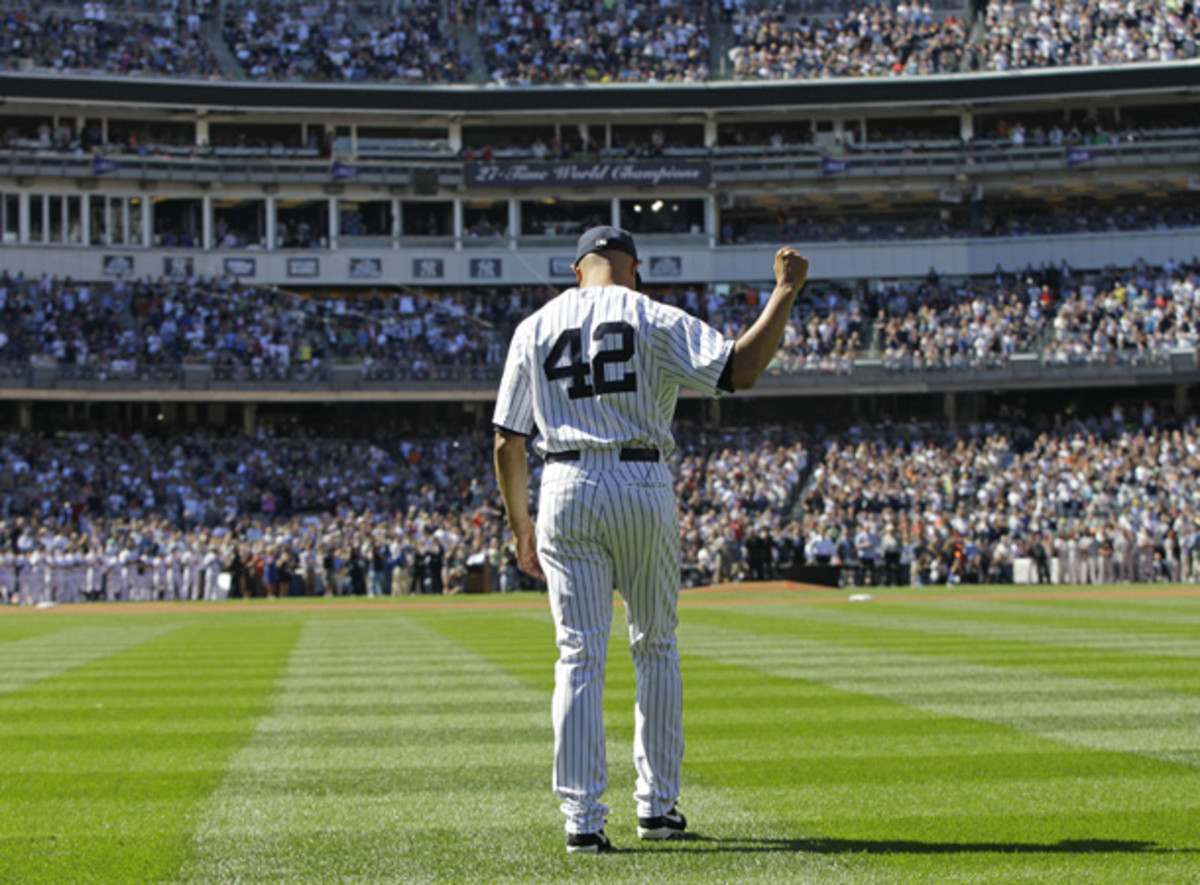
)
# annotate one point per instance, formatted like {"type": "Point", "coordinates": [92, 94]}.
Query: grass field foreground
{"type": "Point", "coordinates": [943, 736]}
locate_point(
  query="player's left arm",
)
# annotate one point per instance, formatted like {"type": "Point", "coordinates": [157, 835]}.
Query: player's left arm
{"type": "Point", "coordinates": [512, 475]}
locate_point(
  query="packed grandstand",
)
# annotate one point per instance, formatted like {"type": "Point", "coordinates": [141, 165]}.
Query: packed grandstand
{"type": "Point", "coordinates": [249, 348]}
{"type": "Point", "coordinates": [1061, 317]}
{"type": "Point", "coordinates": [560, 41]}
{"type": "Point", "coordinates": [112, 516]}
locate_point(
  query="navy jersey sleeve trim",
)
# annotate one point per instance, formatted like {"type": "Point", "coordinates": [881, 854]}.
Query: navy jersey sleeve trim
{"type": "Point", "coordinates": [725, 382]}
{"type": "Point", "coordinates": [502, 429]}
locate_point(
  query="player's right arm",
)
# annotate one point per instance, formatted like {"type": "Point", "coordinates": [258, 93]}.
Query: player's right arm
{"type": "Point", "coordinates": [754, 348]}
{"type": "Point", "coordinates": [514, 422]}
{"type": "Point", "coordinates": [512, 475]}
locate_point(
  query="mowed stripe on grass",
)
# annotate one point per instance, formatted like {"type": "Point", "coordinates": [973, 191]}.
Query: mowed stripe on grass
{"type": "Point", "coordinates": [46, 654]}
{"type": "Point", "coordinates": [417, 748]}
{"type": "Point", "coordinates": [897, 744]}
{"type": "Point", "coordinates": [103, 764]}
{"type": "Point", "coordinates": [732, 837]}
{"type": "Point", "coordinates": [1161, 636]}
{"type": "Point", "coordinates": [943, 674]}
{"type": "Point", "coordinates": [1160, 656]}
{"type": "Point", "coordinates": [889, 742]}
{"type": "Point", "coordinates": [389, 755]}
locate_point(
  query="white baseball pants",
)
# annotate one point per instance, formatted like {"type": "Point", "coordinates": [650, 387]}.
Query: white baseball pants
{"type": "Point", "coordinates": [605, 524]}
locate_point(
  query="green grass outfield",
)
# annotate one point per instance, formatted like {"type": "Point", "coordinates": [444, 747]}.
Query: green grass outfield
{"type": "Point", "coordinates": [972, 735]}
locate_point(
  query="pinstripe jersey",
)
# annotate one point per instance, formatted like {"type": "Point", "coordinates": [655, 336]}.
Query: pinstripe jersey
{"type": "Point", "coordinates": [601, 368]}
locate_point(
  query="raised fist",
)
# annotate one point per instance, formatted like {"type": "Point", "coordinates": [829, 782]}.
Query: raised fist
{"type": "Point", "coordinates": [791, 268]}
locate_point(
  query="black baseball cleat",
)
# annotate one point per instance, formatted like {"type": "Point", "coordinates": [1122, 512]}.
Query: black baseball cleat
{"type": "Point", "coordinates": [588, 843]}
{"type": "Point", "coordinates": [668, 826]}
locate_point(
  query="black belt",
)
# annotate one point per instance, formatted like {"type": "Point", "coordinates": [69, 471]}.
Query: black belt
{"type": "Point", "coordinates": [627, 454]}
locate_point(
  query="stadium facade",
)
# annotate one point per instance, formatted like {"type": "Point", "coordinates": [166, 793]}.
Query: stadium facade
{"type": "Point", "coordinates": [307, 186]}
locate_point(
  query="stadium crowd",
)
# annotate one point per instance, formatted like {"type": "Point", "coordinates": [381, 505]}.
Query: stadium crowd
{"type": "Point", "coordinates": [574, 41]}
{"type": "Point", "coordinates": [145, 512]}
{"type": "Point", "coordinates": [868, 40]}
{"type": "Point", "coordinates": [91, 514]}
{"type": "Point", "coordinates": [1134, 316]}
{"type": "Point", "coordinates": [245, 332]}
{"type": "Point", "coordinates": [325, 41]}
{"type": "Point", "coordinates": [994, 222]}
{"type": "Point", "coordinates": [98, 42]}
{"type": "Point", "coordinates": [1087, 501]}
{"type": "Point", "coordinates": [876, 40]}
{"type": "Point", "coordinates": [194, 515]}
{"type": "Point", "coordinates": [568, 41]}
{"type": "Point", "coordinates": [1053, 33]}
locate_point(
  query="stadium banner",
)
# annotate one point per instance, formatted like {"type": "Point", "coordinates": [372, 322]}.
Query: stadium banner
{"type": "Point", "coordinates": [830, 166]}
{"type": "Point", "coordinates": [176, 267]}
{"type": "Point", "coordinates": [117, 265]}
{"type": "Point", "coordinates": [366, 268]}
{"type": "Point", "coordinates": [486, 268]}
{"type": "Point", "coordinates": [344, 171]}
{"type": "Point", "coordinates": [561, 267]}
{"type": "Point", "coordinates": [819, 575]}
{"type": "Point", "coordinates": [303, 267]}
{"type": "Point", "coordinates": [666, 266]}
{"type": "Point", "coordinates": [241, 267]}
{"type": "Point", "coordinates": [633, 174]}
{"type": "Point", "coordinates": [103, 165]}
{"type": "Point", "coordinates": [1079, 156]}
{"type": "Point", "coordinates": [428, 268]}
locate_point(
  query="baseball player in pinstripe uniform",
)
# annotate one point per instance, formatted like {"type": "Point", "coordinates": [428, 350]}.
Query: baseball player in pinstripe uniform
{"type": "Point", "coordinates": [596, 373]}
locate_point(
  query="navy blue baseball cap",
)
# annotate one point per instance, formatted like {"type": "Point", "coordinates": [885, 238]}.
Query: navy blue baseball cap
{"type": "Point", "coordinates": [600, 239]}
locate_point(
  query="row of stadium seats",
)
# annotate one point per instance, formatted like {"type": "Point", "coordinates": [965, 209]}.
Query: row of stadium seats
{"type": "Point", "coordinates": [1113, 499]}
{"type": "Point", "coordinates": [1053, 33]}
{"type": "Point", "coordinates": [875, 40]}
{"type": "Point", "coordinates": [179, 143]}
{"type": "Point", "coordinates": [243, 332]}
{"type": "Point", "coordinates": [568, 41]}
{"type": "Point", "coordinates": [323, 41]}
{"type": "Point", "coordinates": [252, 333]}
{"type": "Point", "coordinates": [62, 43]}
{"type": "Point", "coordinates": [116, 516]}
{"type": "Point", "coordinates": [1078, 218]}
{"type": "Point", "coordinates": [576, 41]}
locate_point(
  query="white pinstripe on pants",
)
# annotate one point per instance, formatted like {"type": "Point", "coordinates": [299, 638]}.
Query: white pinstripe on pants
{"type": "Point", "coordinates": [603, 523]}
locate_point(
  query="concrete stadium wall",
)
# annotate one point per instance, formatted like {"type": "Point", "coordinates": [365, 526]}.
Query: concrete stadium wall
{"type": "Point", "coordinates": [683, 264]}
